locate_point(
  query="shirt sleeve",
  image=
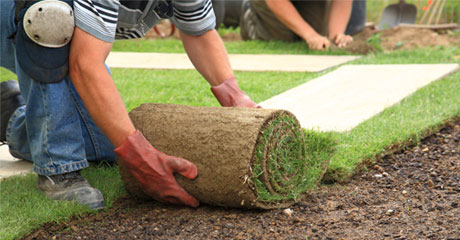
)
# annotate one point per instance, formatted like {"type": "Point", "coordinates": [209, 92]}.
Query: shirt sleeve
{"type": "Point", "coordinates": [97, 17]}
{"type": "Point", "coordinates": [194, 17]}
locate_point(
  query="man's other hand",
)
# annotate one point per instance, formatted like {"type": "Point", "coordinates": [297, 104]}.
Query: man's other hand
{"type": "Point", "coordinates": [342, 40]}
{"type": "Point", "coordinates": [154, 170]}
{"type": "Point", "coordinates": [318, 42]}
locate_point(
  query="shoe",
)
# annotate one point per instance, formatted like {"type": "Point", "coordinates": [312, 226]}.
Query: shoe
{"type": "Point", "coordinates": [247, 28]}
{"type": "Point", "coordinates": [11, 100]}
{"type": "Point", "coordinates": [71, 187]}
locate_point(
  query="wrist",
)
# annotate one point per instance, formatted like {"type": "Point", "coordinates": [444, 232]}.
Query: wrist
{"type": "Point", "coordinates": [227, 91]}
{"type": "Point", "coordinates": [309, 34]}
{"type": "Point", "coordinates": [131, 148]}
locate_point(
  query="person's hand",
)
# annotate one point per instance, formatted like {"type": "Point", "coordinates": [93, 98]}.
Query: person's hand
{"type": "Point", "coordinates": [342, 40]}
{"type": "Point", "coordinates": [318, 42]}
{"type": "Point", "coordinates": [230, 95]}
{"type": "Point", "coordinates": [154, 170]}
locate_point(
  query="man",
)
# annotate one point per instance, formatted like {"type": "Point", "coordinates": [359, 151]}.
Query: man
{"type": "Point", "coordinates": [317, 22]}
{"type": "Point", "coordinates": [62, 119]}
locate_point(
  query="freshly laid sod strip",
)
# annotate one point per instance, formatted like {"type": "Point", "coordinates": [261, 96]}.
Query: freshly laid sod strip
{"type": "Point", "coordinates": [401, 125]}
{"type": "Point", "coordinates": [23, 208]}
{"type": "Point", "coordinates": [246, 158]}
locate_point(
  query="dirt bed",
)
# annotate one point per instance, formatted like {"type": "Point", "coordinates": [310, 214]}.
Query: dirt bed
{"type": "Point", "coordinates": [412, 194]}
{"type": "Point", "coordinates": [370, 40]}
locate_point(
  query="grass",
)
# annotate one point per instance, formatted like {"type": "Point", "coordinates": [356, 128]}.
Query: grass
{"type": "Point", "coordinates": [282, 150]}
{"type": "Point", "coordinates": [23, 208]}
{"type": "Point", "coordinates": [171, 45]}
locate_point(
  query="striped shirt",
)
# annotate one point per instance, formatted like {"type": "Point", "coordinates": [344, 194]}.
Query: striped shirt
{"type": "Point", "coordinates": [123, 19]}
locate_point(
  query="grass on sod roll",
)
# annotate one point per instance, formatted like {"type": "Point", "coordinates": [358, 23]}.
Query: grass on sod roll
{"type": "Point", "coordinates": [284, 162]}
{"type": "Point", "coordinates": [23, 208]}
{"type": "Point", "coordinates": [296, 162]}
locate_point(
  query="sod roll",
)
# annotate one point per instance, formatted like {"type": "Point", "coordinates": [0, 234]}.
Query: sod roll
{"type": "Point", "coordinates": [246, 158]}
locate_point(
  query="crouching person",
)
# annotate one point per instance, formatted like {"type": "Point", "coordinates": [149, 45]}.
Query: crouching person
{"type": "Point", "coordinates": [317, 22]}
{"type": "Point", "coordinates": [65, 109]}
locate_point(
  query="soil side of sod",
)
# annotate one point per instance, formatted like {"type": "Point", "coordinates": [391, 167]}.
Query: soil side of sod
{"type": "Point", "coordinates": [411, 194]}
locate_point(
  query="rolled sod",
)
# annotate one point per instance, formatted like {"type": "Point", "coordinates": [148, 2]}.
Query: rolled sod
{"type": "Point", "coordinates": [246, 158]}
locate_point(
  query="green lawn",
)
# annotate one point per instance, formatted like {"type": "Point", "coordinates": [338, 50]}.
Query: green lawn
{"type": "Point", "coordinates": [23, 208]}
{"type": "Point", "coordinates": [171, 45]}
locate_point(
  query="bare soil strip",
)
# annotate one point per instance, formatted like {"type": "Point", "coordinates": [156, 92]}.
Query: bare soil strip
{"type": "Point", "coordinates": [411, 194]}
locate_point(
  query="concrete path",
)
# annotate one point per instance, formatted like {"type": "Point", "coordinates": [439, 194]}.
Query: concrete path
{"type": "Point", "coordinates": [340, 100]}
{"type": "Point", "coordinates": [239, 62]}
{"type": "Point", "coordinates": [337, 101]}
{"type": "Point", "coordinates": [10, 166]}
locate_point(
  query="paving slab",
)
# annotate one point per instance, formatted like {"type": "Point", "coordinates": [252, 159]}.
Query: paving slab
{"type": "Point", "coordinates": [10, 166]}
{"type": "Point", "coordinates": [349, 95]}
{"type": "Point", "coordinates": [239, 62]}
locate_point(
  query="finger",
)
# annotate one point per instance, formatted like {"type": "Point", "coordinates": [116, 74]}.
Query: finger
{"type": "Point", "coordinates": [347, 40]}
{"type": "Point", "coordinates": [183, 167]}
{"type": "Point", "coordinates": [338, 39]}
{"type": "Point", "coordinates": [179, 196]}
{"type": "Point", "coordinates": [326, 44]}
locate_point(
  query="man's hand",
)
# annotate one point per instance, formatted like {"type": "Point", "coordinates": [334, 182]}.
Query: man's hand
{"type": "Point", "coordinates": [229, 94]}
{"type": "Point", "coordinates": [317, 42]}
{"type": "Point", "coordinates": [342, 40]}
{"type": "Point", "coordinates": [154, 170]}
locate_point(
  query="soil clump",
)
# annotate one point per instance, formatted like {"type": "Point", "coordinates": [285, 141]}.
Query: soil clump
{"type": "Point", "coordinates": [404, 38]}
{"type": "Point", "coordinates": [411, 194]}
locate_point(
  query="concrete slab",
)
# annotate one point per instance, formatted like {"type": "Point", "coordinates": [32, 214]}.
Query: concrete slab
{"type": "Point", "coordinates": [239, 62]}
{"type": "Point", "coordinates": [9, 166]}
{"type": "Point", "coordinates": [340, 100]}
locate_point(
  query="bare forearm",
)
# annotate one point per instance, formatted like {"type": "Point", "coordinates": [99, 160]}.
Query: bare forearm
{"type": "Point", "coordinates": [285, 11]}
{"type": "Point", "coordinates": [96, 87]}
{"type": "Point", "coordinates": [339, 16]}
{"type": "Point", "coordinates": [104, 103]}
{"type": "Point", "coordinates": [209, 56]}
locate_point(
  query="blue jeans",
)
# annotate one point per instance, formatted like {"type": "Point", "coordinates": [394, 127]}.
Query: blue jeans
{"type": "Point", "coordinates": [53, 129]}
{"type": "Point", "coordinates": [357, 20]}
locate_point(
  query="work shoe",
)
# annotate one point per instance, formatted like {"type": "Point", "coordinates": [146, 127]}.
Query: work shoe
{"type": "Point", "coordinates": [11, 100]}
{"type": "Point", "coordinates": [247, 25]}
{"type": "Point", "coordinates": [71, 187]}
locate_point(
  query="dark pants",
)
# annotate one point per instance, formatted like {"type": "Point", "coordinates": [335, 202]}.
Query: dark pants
{"type": "Point", "coordinates": [258, 22]}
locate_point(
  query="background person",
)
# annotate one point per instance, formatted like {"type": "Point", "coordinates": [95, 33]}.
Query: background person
{"type": "Point", "coordinates": [317, 22]}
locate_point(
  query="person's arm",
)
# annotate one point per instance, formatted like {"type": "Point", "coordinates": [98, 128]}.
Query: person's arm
{"type": "Point", "coordinates": [151, 168]}
{"type": "Point", "coordinates": [209, 56]}
{"type": "Point", "coordinates": [287, 14]}
{"type": "Point", "coordinates": [339, 16]}
{"type": "Point", "coordinates": [96, 87]}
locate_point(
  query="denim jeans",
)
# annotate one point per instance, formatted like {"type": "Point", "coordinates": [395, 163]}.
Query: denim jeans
{"type": "Point", "coordinates": [357, 20]}
{"type": "Point", "coordinates": [53, 129]}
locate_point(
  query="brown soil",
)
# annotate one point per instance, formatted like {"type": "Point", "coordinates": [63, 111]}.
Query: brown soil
{"type": "Point", "coordinates": [401, 38]}
{"type": "Point", "coordinates": [411, 194]}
